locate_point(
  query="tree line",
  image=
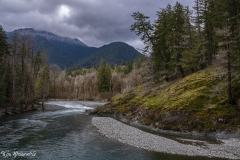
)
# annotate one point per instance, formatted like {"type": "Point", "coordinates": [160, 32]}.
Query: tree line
{"type": "Point", "coordinates": [24, 72]}
{"type": "Point", "coordinates": [182, 41]}
{"type": "Point", "coordinates": [99, 83]}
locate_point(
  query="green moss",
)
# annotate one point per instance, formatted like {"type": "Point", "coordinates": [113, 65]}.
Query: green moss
{"type": "Point", "coordinates": [121, 109]}
{"type": "Point", "coordinates": [138, 88]}
{"type": "Point", "coordinates": [193, 92]}
{"type": "Point", "coordinates": [116, 97]}
{"type": "Point", "coordinates": [196, 102]}
{"type": "Point", "coordinates": [189, 93]}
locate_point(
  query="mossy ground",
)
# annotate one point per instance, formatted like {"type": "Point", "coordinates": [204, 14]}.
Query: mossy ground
{"type": "Point", "coordinates": [196, 102]}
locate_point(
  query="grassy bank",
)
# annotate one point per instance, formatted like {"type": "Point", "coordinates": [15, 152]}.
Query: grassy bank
{"type": "Point", "coordinates": [197, 102]}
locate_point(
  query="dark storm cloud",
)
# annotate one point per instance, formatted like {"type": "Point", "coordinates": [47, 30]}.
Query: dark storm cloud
{"type": "Point", "coordinates": [95, 22]}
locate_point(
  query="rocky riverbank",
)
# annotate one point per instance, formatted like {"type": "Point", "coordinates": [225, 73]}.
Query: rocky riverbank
{"type": "Point", "coordinates": [17, 110]}
{"type": "Point", "coordinates": [11, 110]}
{"type": "Point", "coordinates": [114, 129]}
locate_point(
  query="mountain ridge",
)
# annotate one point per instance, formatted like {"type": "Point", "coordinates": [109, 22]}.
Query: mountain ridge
{"type": "Point", "coordinates": [116, 49]}
{"type": "Point", "coordinates": [48, 36]}
{"type": "Point", "coordinates": [71, 52]}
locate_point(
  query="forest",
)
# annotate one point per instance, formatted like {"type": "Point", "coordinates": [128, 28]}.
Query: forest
{"type": "Point", "coordinates": [99, 83]}
{"type": "Point", "coordinates": [180, 42]}
{"type": "Point", "coordinates": [24, 72]}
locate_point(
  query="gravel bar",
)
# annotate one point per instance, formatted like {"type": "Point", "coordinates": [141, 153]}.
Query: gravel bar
{"type": "Point", "coordinates": [114, 129]}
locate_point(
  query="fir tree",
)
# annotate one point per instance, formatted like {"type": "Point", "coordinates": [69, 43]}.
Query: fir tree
{"type": "Point", "coordinates": [3, 65]}
{"type": "Point", "coordinates": [104, 77]}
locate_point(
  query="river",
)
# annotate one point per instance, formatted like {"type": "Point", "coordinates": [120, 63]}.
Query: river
{"type": "Point", "coordinates": [65, 133]}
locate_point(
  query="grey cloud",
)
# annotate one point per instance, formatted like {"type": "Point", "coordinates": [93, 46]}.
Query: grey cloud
{"type": "Point", "coordinates": [95, 22]}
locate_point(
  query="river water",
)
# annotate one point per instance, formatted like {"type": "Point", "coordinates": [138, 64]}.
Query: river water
{"type": "Point", "coordinates": [65, 133]}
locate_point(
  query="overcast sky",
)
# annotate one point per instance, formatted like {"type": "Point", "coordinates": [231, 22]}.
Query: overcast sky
{"type": "Point", "coordinates": [94, 22]}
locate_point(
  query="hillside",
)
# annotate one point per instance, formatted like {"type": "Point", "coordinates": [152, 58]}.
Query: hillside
{"type": "Point", "coordinates": [62, 53]}
{"type": "Point", "coordinates": [68, 52]}
{"type": "Point", "coordinates": [197, 102]}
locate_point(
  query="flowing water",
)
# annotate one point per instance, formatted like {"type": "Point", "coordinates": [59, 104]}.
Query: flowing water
{"type": "Point", "coordinates": [65, 133]}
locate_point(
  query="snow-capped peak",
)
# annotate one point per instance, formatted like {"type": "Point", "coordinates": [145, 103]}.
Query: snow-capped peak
{"type": "Point", "coordinates": [50, 36]}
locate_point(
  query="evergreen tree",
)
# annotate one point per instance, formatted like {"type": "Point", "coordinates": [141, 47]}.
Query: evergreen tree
{"type": "Point", "coordinates": [3, 65]}
{"type": "Point", "coordinates": [198, 19]}
{"type": "Point", "coordinates": [104, 77]}
{"type": "Point", "coordinates": [191, 57]}
{"type": "Point", "coordinates": [228, 38]}
{"type": "Point", "coordinates": [176, 37]}
{"type": "Point", "coordinates": [168, 36]}
{"type": "Point", "coordinates": [14, 49]}
{"type": "Point", "coordinates": [161, 55]}
{"type": "Point", "coordinates": [142, 27]}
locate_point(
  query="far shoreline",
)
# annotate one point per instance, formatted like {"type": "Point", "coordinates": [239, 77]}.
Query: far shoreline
{"type": "Point", "coordinates": [10, 110]}
{"type": "Point", "coordinates": [88, 100]}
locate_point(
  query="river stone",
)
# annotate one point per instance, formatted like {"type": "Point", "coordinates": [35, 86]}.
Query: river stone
{"type": "Point", "coordinates": [114, 129]}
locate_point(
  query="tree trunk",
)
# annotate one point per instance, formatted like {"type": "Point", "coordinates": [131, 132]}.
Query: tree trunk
{"type": "Point", "coordinates": [13, 83]}
{"type": "Point", "coordinates": [43, 108]}
{"type": "Point", "coordinates": [77, 93]}
{"type": "Point", "coordinates": [180, 69]}
{"type": "Point", "coordinates": [230, 99]}
{"type": "Point", "coordinates": [23, 85]}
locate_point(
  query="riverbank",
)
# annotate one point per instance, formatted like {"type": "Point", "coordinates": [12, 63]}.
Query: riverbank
{"type": "Point", "coordinates": [49, 107]}
{"type": "Point", "coordinates": [10, 110]}
{"type": "Point", "coordinates": [114, 129]}
{"type": "Point", "coordinates": [195, 103]}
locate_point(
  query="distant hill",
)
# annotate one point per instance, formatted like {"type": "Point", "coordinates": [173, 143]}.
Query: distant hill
{"type": "Point", "coordinates": [69, 52]}
{"type": "Point", "coordinates": [113, 53]}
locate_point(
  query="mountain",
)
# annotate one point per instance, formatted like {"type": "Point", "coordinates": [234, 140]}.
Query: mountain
{"type": "Point", "coordinates": [48, 36]}
{"type": "Point", "coordinates": [69, 52]}
{"type": "Point", "coordinates": [113, 53]}
{"type": "Point", "coordinates": [63, 51]}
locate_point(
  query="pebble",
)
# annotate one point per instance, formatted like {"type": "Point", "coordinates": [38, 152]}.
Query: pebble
{"type": "Point", "coordinates": [114, 129]}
